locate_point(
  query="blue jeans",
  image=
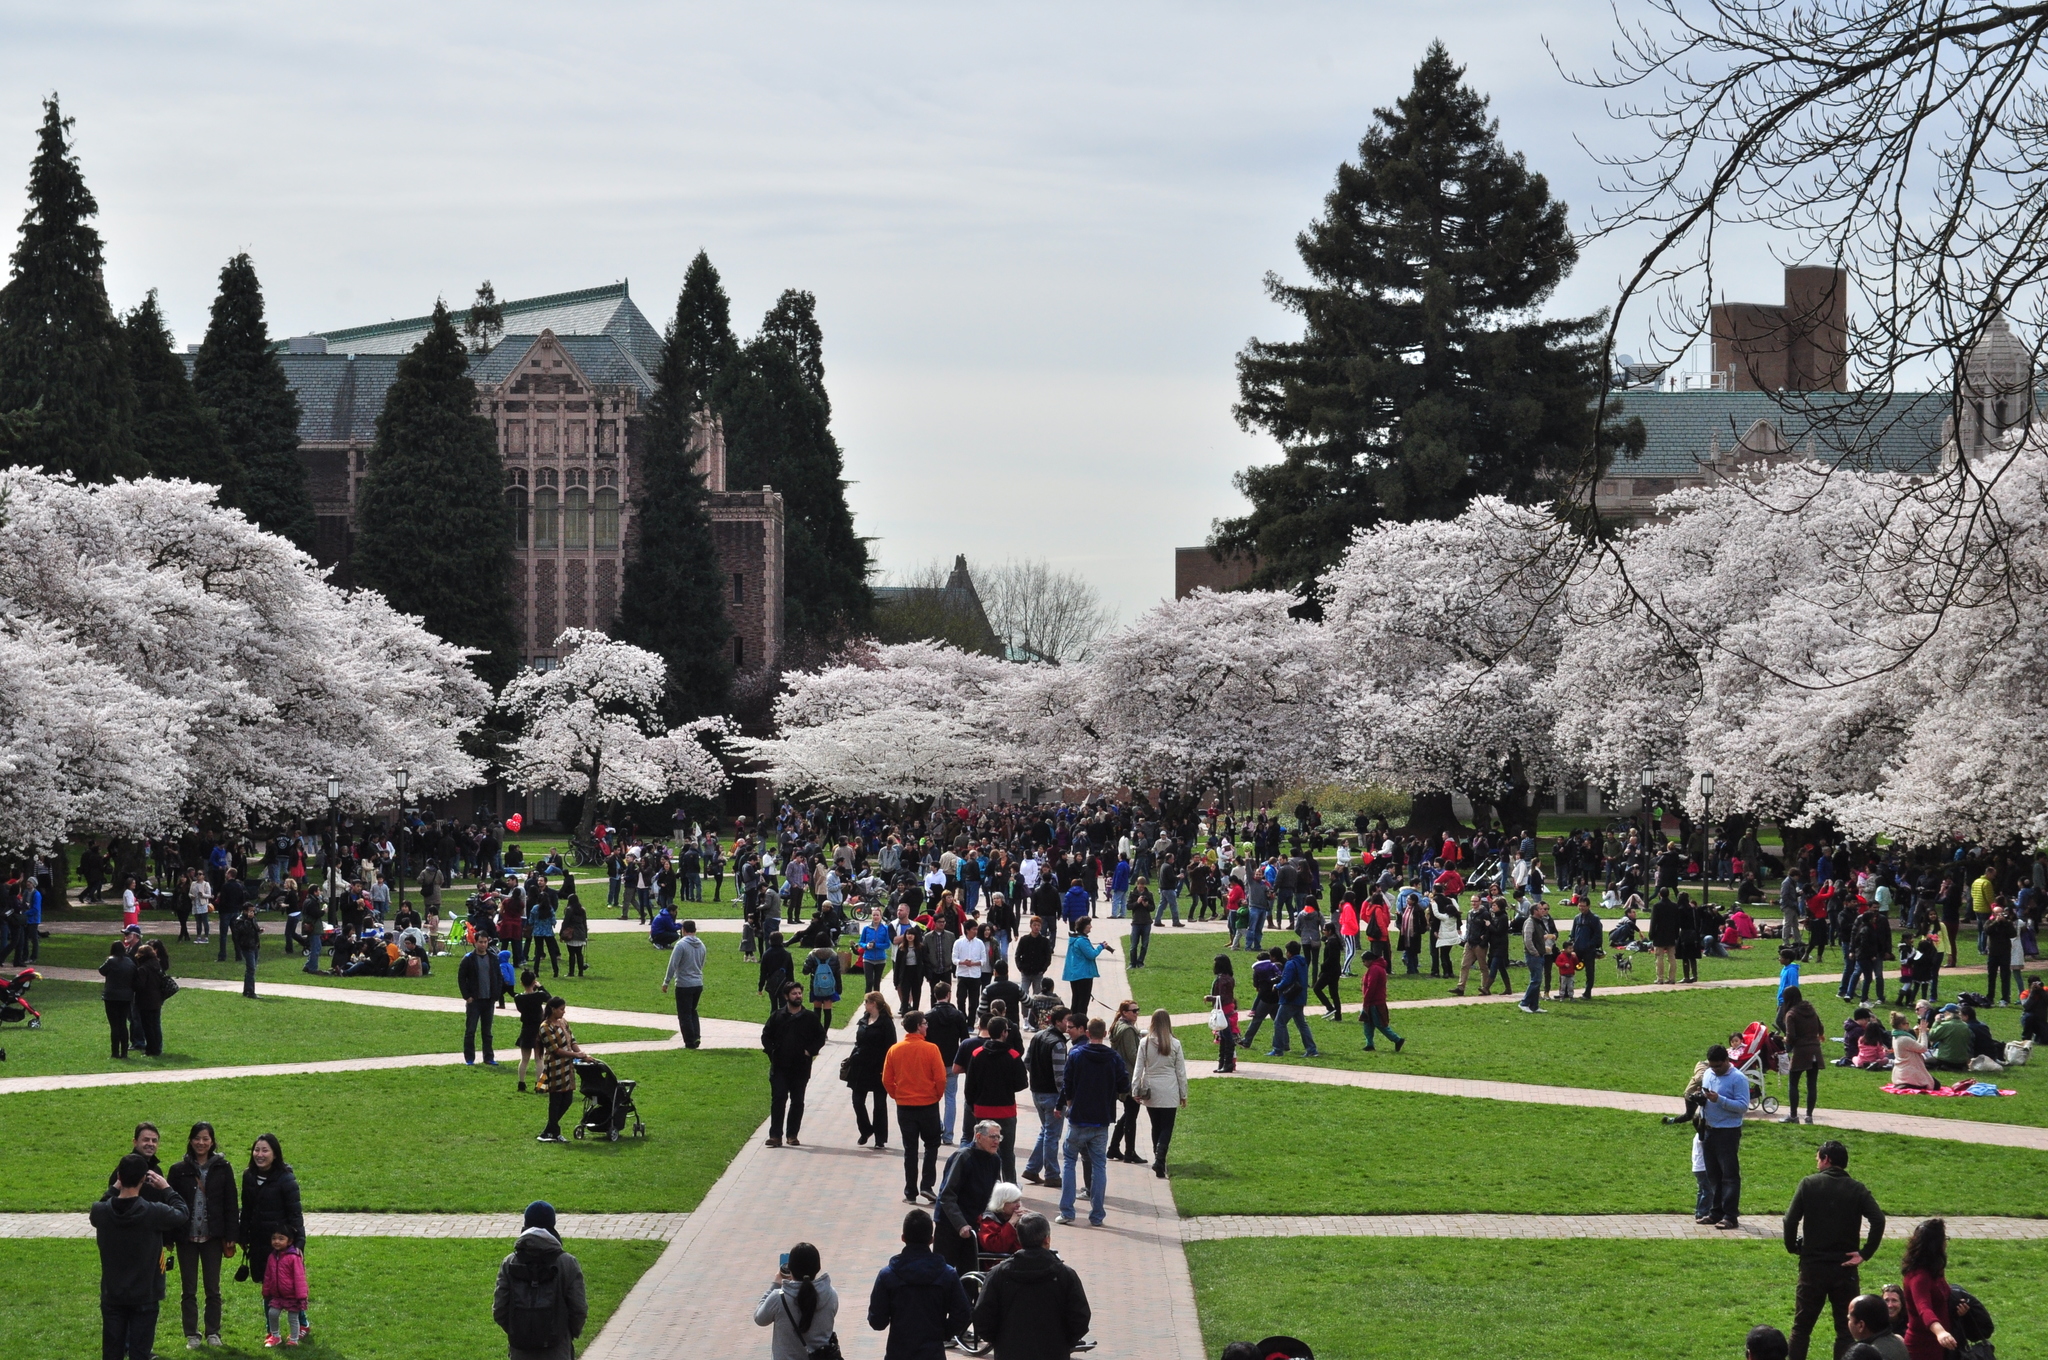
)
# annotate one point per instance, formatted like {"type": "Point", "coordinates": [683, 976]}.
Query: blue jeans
{"type": "Point", "coordinates": [1169, 903]}
{"type": "Point", "coordinates": [1850, 970]}
{"type": "Point", "coordinates": [1535, 992]}
{"type": "Point", "coordinates": [312, 953]}
{"type": "Point", "coordinates": [946, 1115]}
{"type": "Point", "coordinates": [1045, 1153]}
{"type": "Point", "coordinates": [1091, 1140]}
{"type": "Point", "coordinates": [1141, 942]}
{"type": "Point", "coordinates": [611, 898]}
{"type": "Point", "coordinates": [1291, 1010]}
{"type": "Point", "coordinates": [970, 893]}
{"type": "Point", "coordinates": [249, 972]}
{"type": "Point", "coordinates": [1255, 934]}
{"type": "Point", "coordinates": [1117, 901]}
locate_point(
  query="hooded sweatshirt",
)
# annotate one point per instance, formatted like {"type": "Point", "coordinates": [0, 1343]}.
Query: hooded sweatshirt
{"type": "Point", "coordinates": [917, 1299]}
{"type": "Point", "coordinates": [779, 1309]}
{"type": "Point", "coordinates": [1033, 1307]}
{"type": "Point", "coordinates": [538, 1246]}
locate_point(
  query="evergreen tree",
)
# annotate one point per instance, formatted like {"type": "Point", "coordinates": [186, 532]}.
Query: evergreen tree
{"type": "Point", "coordinates": [778, 433]}
{"type": "Point", "coordinates": [432, 533]}
{"type": "Point", "coordinates": [484, 325]}
{"type": "Point", "coordinates": [241, 381]}
{"type": "Point", "coordinates": [673, 600]}
{"type": "Point", "coordinates": [60, 343]}
{"type": "Point", "coordinates": [178, 436]}
{"type": "Point", "coordinates": [793, 323]}
{"type": "Point", "coordinates": [701, 334]}
{"type": "Point", "coordinates": [1421, 380]}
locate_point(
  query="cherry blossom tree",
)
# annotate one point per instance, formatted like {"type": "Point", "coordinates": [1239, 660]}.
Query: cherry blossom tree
{"type": "Point", "coordinates": [909, 720]}
{"type": "Point", "coordinates": [1205, 690]}
{"type": "Point", "coordinates": [592, 725]}
{"type": "Point", "coordinates": [262, 677]}
{"type": "Point", "coordinates": [1445, 633]}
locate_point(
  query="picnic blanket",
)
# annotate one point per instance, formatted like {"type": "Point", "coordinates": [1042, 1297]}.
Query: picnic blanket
{"type": "Point", "coordinates": [1961, 1088]}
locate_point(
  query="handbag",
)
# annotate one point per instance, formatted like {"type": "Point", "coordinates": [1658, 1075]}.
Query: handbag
{"type": "Point", "coordinates": [1218, 1021]}
{"type": "Point", "coordinates": [1141, 1087]}
{"type": "Point", "coordinates": [169, 986]}
{"type": "Point", "coordinates": [825, 1350]}
{"type": "Point", "coordinates": [846, 1070]}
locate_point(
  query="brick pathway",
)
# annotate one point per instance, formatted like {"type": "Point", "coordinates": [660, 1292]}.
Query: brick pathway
{"type": "Point", "coordinates": [698, 1299]}
{"type": "Point", "coordinates": [153, 924]}
{"type": "Point", "coordinates": [1637, 1226]}
{"type": "Point", "coordinates": [1589, 1097]}
{"type": "Point", "coordinates": [1509, 998]}
{"type": "Point", "coordinates": [623, 1227]}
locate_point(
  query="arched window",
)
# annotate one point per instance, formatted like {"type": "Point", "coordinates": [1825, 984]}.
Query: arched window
{"type": "Point", "coordinates": [544, 516]}
{"type": "Point", "coordinates": [605, 526]}
{"type": "Point", "coordinates": [576, 518]}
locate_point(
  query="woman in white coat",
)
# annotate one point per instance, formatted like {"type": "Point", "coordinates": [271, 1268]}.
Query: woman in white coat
{"type": "Point", "coordinates": [1160, 1082]}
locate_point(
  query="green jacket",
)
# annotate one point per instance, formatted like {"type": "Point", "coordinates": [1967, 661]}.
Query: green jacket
{"type": "Point", "coordinates": [1950, 1041]}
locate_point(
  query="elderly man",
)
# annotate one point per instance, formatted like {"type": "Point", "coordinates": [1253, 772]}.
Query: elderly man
{"type": "Point", "coordinates": [1033, 1306]}
{"type": "Point", "coordinates": [971, 1175]}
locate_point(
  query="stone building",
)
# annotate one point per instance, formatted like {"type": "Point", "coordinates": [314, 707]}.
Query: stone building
{"type": "Point", "coordinates": [565, 388]}
{"type": "Point", "coordinates": [1800, 345]}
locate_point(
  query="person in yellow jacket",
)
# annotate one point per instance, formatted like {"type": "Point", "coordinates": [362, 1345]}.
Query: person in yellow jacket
{"type": "Point", "coordinates": [914, 1075]}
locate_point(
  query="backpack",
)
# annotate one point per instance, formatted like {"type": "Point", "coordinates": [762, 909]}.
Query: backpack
{"type": "Point", "coordinates": [534, 1306]}
{"type": "Point", "coordinates": [823, 987]}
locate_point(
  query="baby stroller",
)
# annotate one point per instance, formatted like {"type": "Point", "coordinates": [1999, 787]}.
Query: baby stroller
{"type": "Point", "coordinates": [14, 1007]}
{"type": "Point", "coordinates": [607, 1102]}
{"type": "Point", "coordinates": [1755, 1053]}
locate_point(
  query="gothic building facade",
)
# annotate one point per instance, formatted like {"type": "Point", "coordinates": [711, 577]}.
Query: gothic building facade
{"type": "Point", "coordinates": [565, 388]}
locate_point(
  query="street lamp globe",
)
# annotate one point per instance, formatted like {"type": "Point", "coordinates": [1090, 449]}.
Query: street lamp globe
{"type": "Point", "coordinates": [1706, 784]}
{"type": "Point", "coordinates": [403, 777]}
{"type": "Point", "coordinates": [334, 788]}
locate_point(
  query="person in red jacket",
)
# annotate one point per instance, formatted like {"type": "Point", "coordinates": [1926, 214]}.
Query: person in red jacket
{"type": "Point", "coordinates": [284, 1289]}
{"type": "Point", "coordinates": [1372, 1002]}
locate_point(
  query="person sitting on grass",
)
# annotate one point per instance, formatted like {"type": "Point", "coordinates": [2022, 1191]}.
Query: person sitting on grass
{"type": "Point", "coordinates": [1765, 1343]}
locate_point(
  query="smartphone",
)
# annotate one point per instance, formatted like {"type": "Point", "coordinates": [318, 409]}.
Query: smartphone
{"type": "Point", "coordinates": [785, 1263]}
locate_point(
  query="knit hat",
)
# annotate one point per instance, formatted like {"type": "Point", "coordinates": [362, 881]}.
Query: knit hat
{"type": "Point", "coordinates": [540, 1214]}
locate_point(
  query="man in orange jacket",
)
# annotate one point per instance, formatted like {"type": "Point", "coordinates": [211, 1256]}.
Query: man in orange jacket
{"type": "Point", "coordinates": [914, 1075]}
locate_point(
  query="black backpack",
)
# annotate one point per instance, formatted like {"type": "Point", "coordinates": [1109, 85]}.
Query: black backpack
{"type": "Point", "coordinates": [534, 1306]}
{"type": "Point", "coordinates": [1975, 1325]}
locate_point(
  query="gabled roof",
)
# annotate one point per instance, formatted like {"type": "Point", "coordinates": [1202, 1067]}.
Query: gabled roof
{"type": "Point", "coordinates": [1897, 432]}
{"type": "Point", "coordinates": [601, 358]}
{"type": "Point", "coordinates": [606, 310]}
{"type": "Point", "coordinates": [340, 395]}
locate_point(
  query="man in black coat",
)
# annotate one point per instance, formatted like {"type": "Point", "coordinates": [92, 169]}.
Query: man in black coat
{"type": "Point", "coordinates": [917, 1298]}
{"type": "Point", "coordinates": [131, 1232]}
{"type": "Point", "coordinates": [479, 980]}
{"type": "Point", "coordinates": [1832, 1207]}
{"type": "Point", "coordinates": [792, 1037]}
{"type": "Point", "coordinates": [971, 1175]}
{"type": "Point", "coordinates": [1033, 1306]}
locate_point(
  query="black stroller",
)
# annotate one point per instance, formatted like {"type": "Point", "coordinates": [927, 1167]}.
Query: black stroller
{"type": "Point", "coordinates": [607, 1102]}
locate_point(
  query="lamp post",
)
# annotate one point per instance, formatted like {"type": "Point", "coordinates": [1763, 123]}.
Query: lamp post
{"type": "Point", "coordinates": [1706, 835]}
{"type": "Point", "coordinates": [333, 830]}
{"type": "Point", "coordinates": [404, 835]}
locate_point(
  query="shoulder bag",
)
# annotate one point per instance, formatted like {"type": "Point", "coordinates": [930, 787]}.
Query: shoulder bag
{"type": "Point", "coordinates": [827, 1350]}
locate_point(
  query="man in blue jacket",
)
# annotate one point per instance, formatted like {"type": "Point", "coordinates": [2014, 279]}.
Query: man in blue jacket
{"type": "Point", "coordinates": [1293, 996]}
{"type": "Point", "coordinates": [1094, 1078]}
{"type": "Point", "coordinates": [917, 1298]}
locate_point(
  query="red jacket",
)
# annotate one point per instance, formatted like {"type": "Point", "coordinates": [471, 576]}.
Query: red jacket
{"type": "Point", "coordinates": [1373, 990]}
{"type": "Point", "coordinates": [284, 1280]}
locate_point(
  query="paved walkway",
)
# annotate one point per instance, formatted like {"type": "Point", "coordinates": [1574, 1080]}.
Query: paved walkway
{"type": "Point", "coordinates": [617, 1227]}
{"type": "Point", "coordinates": [1507, 998]}
{"type": "Point", "coordinates": [1645, 1227]}
{"type": "Point", "coordinates": [1592, 1097]}
{"type": "Point", "coordinates": [698, 1298]}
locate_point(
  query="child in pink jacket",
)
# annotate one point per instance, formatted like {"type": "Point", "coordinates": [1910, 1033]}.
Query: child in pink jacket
{"type": "Point", "coordinates": [284, 1289]}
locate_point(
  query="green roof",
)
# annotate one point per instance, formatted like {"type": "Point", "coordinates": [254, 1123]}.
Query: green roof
{"type": "Point", "coordinates": [604, 310]}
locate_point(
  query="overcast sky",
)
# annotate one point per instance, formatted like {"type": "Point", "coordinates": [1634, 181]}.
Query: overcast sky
{"type": "Point", "coordinates": [1036, 234]}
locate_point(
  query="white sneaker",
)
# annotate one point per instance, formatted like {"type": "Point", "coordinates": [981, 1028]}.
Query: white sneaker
{"type": "Point", "coordinates": [193, 1343]}
{"type": "Point", "coordinates": [213, 1338]}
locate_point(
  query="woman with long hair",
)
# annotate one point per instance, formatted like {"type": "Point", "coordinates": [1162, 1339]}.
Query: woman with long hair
{"type": "Point", "coordinates": [1923, 1274]}
{"type": "Point", "coordinates": [1804, 1036]}
{"type": "Point", "coordinates": [270, 1205]}
{"type": "Point", "coordinates": [1223, 995]}
{"type": "Point", "coordinates": [1160, 1082]}
{"type": "Point", "coordinates": [204, 1180]}
{"type": "Point", "coordinates": [874, 1033]}
{"type": "Point", "coordinates": [800, 1304]}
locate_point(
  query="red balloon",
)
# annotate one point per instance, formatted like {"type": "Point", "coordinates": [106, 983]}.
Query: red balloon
{"type": "Point", "coordinates": [514, 822]}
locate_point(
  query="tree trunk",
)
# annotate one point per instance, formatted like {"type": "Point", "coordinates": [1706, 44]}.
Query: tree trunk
{"type": "Point", "coordinates": [1430, 815]}
{"type": "Point", "coordinates": [588, 819]}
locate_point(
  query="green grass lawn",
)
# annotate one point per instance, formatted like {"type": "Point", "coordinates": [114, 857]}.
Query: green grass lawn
{"type": "Point", "coordinates": [1178, 966]}
{"type": "Point", "coordinates": [1356, 1298]}
{"type": "Point", "coordinates": [1386, 1152]}
{"type": "Point", "coordinates": [451, 1139]}
{"type": "Point", "coordinates": [370, 1298]}
{"type": "Point", "coordinates": [1645, 1042]}
{"type": "Point", "coordinates": [224, 1029]}
{"type": "Point", "coordinates": [625, 973]}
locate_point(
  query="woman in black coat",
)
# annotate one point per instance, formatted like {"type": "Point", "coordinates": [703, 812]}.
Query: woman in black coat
{"type": "Point", "coordinates": [1664, 933]}
{"type": "Point", "coordinates": [873, 1036]}
{"type": "Point", "coordinates": [270, 1204]}
{"type": "Point", "coordinates": [1693, 923]}
{"type": "Point", "coordinates": [118, 995]}
{"type": "Point", "coordinates": [204, 1180]}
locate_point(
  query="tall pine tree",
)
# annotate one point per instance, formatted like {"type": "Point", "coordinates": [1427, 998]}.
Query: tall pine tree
{"type": "Point", "coordinates": [673, 601]}
{"type": "Point", "coordinates": [778, 433]}
{"type": "Point", "coordinates": [60, 343]}
{"type": "Point", "coordinates": [431, 528]}
{"type": "Point", "coordinates": [178, 436]}
{"type": "Point", "coordinates": [241, 381]}
{"type": "Point", "coordinates": [1421, 380]}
